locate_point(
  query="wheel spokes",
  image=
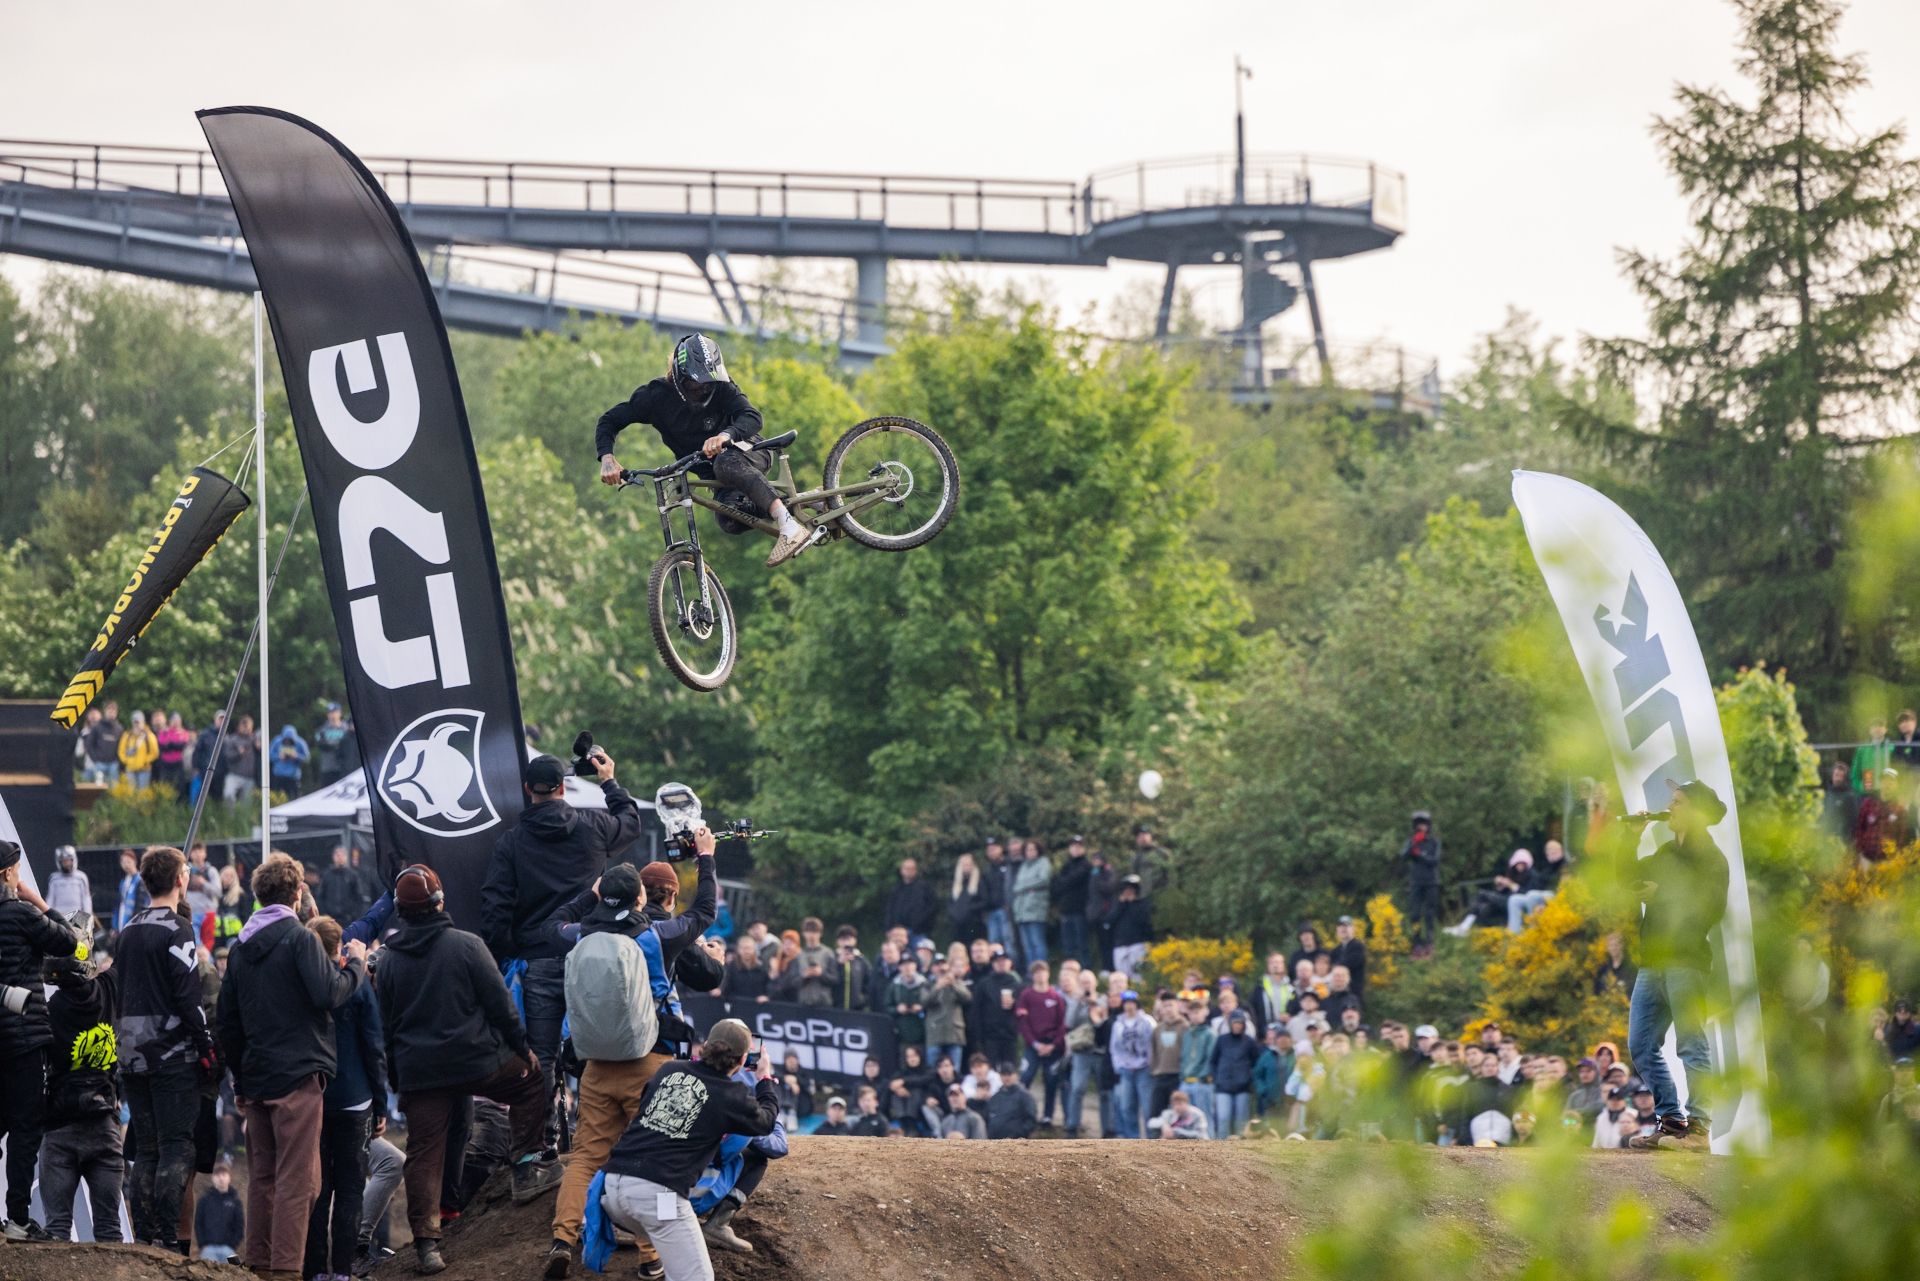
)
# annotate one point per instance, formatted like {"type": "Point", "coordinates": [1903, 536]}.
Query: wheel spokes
{"type": "Point", "coordinates": [916, 487]}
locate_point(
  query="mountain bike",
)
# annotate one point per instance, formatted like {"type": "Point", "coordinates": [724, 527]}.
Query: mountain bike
{"type": "Point", "coordinates": [890, 484]}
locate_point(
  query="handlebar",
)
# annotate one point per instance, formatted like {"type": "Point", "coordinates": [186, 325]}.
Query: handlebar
{"type": "Point", "coordinates": [678, 465]}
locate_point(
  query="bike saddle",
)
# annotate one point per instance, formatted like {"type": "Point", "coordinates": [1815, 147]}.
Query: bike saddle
{"type": "Point", "coordinates": [781, 441]}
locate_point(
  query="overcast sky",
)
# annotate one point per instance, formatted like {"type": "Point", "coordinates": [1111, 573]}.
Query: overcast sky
{"type": "Point", "coordinates": [1521, 125]}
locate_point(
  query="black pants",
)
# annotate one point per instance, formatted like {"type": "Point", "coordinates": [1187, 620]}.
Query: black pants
{"type": "Point", "coordinates": [333, 1230]}
{"type": "Point", "coordinates": [1423, 910]}
{"type": "Point", "coordinates": [1164, 1084]}
{"type": "Point", "coordinates": [165, 1105]}
{"type": "Point", "coordinates": [23, 1102]}
{"type": "Point", "coordinates": [746, 471]}
{"type": "Point", "coordinates": [753, 1167]}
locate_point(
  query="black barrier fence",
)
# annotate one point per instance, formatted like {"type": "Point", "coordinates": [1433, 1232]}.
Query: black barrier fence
{"type": "Point", "coordinates": [315, 848]}
{"type": "Point", "coordinates": [833, 1044]}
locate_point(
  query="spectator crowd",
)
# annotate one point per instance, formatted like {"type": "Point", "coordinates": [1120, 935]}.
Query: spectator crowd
{"type": "Point", "coordinates": [159, 747]}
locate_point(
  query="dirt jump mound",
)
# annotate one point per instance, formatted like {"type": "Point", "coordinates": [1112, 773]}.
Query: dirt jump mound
{"type": "Point", "coordinates": [851, 1209]}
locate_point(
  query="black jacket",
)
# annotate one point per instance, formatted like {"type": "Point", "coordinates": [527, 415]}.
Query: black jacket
{"type": "Point", "coordinates": [990, 1019]}
{"type": "Point", "coordinates": [1424, 856]}
{"type": "Point", "coordinates": [1070, 885]}
{"type": "Point", "coordinates": [27, 937]}
{"type": "Point", "coordinates": [219, 1218]}
{"type": "Point", "coordinates": [275, 1014]}
{"type": "Point", "coordinates": [1103, 891]}
{"type": "Point", "coordinates": [688, 1108]}
{"type": "Point", "coordinates": [360, 1054]}
{"type": "Point", "coordinates": [744, 982]}
{"type": "Point", "coordinates": [160, 1022]}
{"type": "Point", "coordinates": [343, 894]}
{"type": "Point", "coordinates": [83, 1070]}
{"type": "Point", "coordinates": [445, 1009]}
{"type": "Point", "coordinates": [547, 858]}
{"type": "Point", "coordinates": [1353, 955]}
{"type": "Point", "coordinates": [682, 428]}
{"type": "Point", "coordinates": [1011, 1113]}
{"type": "Point", "coordinates": [1132, 922]}
{"type": "Point", "coordinates": [915, 905]}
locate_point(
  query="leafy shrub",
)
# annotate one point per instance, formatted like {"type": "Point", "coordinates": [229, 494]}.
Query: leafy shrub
{"type": "Point", "coordinates": [1539, 981]}
{"type": "Point", "coordinates": [1168, 960]}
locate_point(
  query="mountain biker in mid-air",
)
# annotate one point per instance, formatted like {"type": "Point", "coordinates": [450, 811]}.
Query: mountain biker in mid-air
{"type": "Point", "coordinates": [696, 408]}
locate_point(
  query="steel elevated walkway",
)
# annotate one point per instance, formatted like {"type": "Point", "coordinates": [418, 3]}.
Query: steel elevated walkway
{"type": "Point", "coordinates": [163, 212]}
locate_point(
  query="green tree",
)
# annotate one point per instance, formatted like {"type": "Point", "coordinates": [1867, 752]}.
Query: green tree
{"type": "Point", "coordinates": [1065, 608]}
{"type": "Point", "coordinates": [101, 378]}
{"type": "Point", "coordinates": [1782, 340]}
{"type": "Point", "coordinates": [1414, 699]}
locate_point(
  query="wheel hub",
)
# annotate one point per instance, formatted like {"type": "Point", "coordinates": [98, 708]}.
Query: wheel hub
{"type": "Point", "coordinates": [902, 481]}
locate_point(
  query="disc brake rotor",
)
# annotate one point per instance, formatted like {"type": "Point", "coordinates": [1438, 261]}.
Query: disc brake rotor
{"type": "Point", "coordinates": [902, 481]}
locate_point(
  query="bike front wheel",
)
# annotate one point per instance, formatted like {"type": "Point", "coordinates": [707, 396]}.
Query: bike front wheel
{"type": "Point", "coordinates": [692, 621]}
{"type": "Point", "coordinates": [921, 482]}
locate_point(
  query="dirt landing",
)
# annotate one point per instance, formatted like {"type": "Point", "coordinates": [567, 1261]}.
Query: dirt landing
{"type": "Point", "coordinates": [852, 1209]}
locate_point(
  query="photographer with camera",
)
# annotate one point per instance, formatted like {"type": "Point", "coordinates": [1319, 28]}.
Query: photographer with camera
{"type": "Point", "coordinates": [548, 858]}
{"type": "Point", "coordinates": [28, 936]}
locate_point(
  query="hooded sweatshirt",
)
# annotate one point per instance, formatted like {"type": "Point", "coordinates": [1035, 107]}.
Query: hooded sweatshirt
{"type": "Point", "coordinates": [543, 862]}
{"type": "Point", "coordinates": [445, 1009]}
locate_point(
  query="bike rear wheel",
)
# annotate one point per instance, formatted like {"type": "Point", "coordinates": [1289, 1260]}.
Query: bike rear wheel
{"type": "Point", "coordinates": [924, 489]}
{"type": "Point", "coordinates": [694, 632]}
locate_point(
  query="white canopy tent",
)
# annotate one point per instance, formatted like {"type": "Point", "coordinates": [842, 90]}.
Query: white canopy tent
{"type": "Point", "coordinates": [343, 803]}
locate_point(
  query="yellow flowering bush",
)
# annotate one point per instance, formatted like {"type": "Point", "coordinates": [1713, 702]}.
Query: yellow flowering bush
{"type": "Point", "coordinates": [1540, 981]}
{"type": "Point", "coordinates": [1168, 960]}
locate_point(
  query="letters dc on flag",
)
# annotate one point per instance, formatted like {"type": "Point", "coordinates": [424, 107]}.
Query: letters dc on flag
{"type": "Point", "coordinates": [397, 503]}
{"type": "Point", "coordinates": [1636, 648]}
{"type": "Point", "coordinates": [207, 504]}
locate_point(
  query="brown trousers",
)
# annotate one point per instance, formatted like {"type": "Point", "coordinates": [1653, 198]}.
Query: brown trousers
{"type": "Point", "coordinates": [283, 1176]}
{"type": "Point", "coordinates": [427, 1112]}
{"type": "Point", "coordinates": [609, 1096]}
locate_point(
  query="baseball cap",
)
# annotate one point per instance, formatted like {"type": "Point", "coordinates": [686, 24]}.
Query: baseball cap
{"type": "Point", "coordinates": [836, 1102]}
{"type": "Point", "coordinates": [1426, 1030]}
{"type": "Point", "coordinates": [1226, 980]}
{"type": "Point", "coordinates": [1345, 920]}
{"type": "Point", "coordinates": [1130, 995]}
{"type": "Point", "coordinates": [545, 774]}
{"type": "Point", "coordinates": [620, 885]}
{"type": "Point", "coordinates": [1702, 795]}
{"type": "Point", "coordinates": [416, 888]}
{"type": "Point", "coordinates": [1076, 839]}
{"type": "Point", "coordinates": [1619, 1092]}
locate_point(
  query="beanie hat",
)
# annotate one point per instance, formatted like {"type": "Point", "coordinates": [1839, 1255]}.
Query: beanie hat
{"type": "Point", "coordinates": [417, 889]}
{"type": "Point", "coordinates": [660, 876]}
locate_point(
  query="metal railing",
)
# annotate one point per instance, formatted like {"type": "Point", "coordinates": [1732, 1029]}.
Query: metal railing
{"type": "Point", "coordinates": [907, 201]}
{"type": "Point", "coordinates": [1191, 182]}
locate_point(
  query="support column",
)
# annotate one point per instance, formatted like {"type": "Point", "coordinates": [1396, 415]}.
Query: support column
{"type": "Point", "coordinates": [1165, 318]}
{"type": "Point", "coordinates": [870, 298]}
{"type": "Point", "coordinates": [1319, 329]}
{"type": "Point", "coordinates": [1252, 359]}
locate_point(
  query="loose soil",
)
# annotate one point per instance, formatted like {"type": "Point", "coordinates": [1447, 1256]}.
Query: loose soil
{"type": "Point", "coordinates": [851, 1209]}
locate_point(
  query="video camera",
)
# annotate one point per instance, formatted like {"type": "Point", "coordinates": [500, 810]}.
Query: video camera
{"type": "Point", "coordinates": [678, 810]}
{"type": "Point", "coordinates": [583, 750]}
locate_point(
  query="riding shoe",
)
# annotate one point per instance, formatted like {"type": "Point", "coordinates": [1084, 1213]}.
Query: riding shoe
{"type": "Point", "coordinates": [788, 546]}
{"type": "Point", "coordinates": [559, 1261]}
{"type": "Point", "coordinates": [718, 1228]}
{"type": "Point", "coordinates": [531, 1178]}
{"type": "Point", "coordinates": [427, 1258]}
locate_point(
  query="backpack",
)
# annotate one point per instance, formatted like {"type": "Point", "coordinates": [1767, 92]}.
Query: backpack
{"type": "Point", "coordinates": [613, 995]}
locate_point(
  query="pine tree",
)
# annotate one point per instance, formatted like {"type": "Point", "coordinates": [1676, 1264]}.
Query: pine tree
{"type": "Point", "coordinates": [1782, 349]}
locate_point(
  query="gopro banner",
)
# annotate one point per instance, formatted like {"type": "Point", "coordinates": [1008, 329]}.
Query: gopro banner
{"type": "Point", "coordinates": [831, 1043]}
{"type": "Point", "coordinates": [207, 504]}
{"type": "Point", "coordinates": [397, 504]}
{"type": "Point", "coordinates": [1642, 662]}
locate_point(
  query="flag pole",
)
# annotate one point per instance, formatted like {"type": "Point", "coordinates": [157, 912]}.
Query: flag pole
{"type": "Point", "coordinates": [260, 497]}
